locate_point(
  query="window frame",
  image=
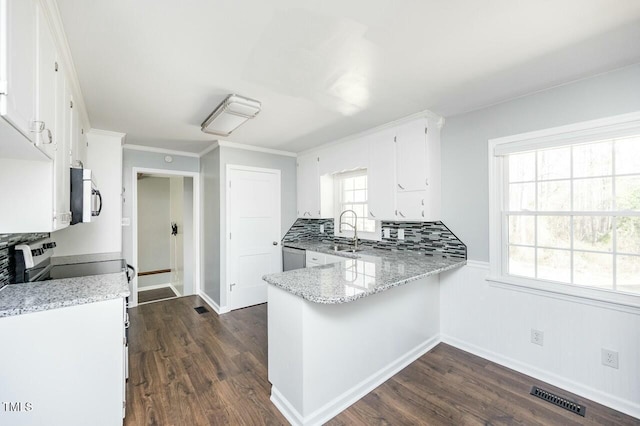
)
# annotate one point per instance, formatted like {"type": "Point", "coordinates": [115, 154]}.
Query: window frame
{"type": "Point", "coordinates": [588, 131]}
{"type": "Point", "coordinates": [337, 181]}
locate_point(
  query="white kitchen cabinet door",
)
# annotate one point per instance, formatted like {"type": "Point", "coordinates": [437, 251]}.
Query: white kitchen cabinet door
{"type": "Point", "coordinates": [78, 137]}
{"type": "Point", "coordinates": [52, 139]}
{"type": "Point", "coordinates": [68, 363]}
{"type": "Point", "coordinates": [46, 139]}
{"type": "Point", "coordinates": [315, 258]}
{"type": "Point", "coordinates": [308, 187]}
{"type": "Point", "coordinates": [18, 63]}
{"type": "Point", "coordinates": [411, 206]}
{"type": "Point", "coordinates": [381, 176]}
{"type": "Point", "coordinates": [411, 156]}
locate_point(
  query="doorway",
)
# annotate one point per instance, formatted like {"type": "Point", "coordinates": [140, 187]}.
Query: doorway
{"type": "Point", "coordinates": [253, 224]}
{"type": "Point", "coordinates": [165, 231]}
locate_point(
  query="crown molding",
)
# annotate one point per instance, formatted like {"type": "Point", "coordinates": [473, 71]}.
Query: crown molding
{"type": "Point", "coordinates": [160, 150]}
{"type": "Point", "coordinates": [208, 149]}
{"type": "Point", "coordinates": [255, 148]}
{"type": "Point", "coordinates": [52, 14]}
{"type": "Point", "coordinates": [108, 133]}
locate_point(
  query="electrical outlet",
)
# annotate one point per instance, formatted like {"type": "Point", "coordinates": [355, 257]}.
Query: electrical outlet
{"type": "Point", "coordinates": [401, 234]}
{"type": "Point", "coordinates": [609, 358]}
{"type": "Point", "coordinates": [386, 233]}
{"type": "Point", "coordinates": [322, 229]}
{"type": "Point", "coordinates": [537, 337]}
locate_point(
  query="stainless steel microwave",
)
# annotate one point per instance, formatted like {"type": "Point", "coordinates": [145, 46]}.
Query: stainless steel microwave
{"type": "Point", "coordinates": [86, 200]}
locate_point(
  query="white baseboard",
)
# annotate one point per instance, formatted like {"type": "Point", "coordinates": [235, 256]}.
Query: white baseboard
{"type": "Point", "coordinates": [348, 398]}
{"type": "Point", "coordinates": [209, 301]}
{"type": "Point", "coordinates": [624, 406]}
{"type": "Point", "coordinates": [153, 287]}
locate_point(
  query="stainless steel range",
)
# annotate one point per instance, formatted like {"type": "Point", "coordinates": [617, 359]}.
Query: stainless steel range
{"type": "Point", "coordinates": [33, 263]}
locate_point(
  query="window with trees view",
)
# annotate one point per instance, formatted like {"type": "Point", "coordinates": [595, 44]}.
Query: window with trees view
{"type": "Point", "coordinates": [574, 214]}
{"type": "Point", "coordinates": [565, 209]}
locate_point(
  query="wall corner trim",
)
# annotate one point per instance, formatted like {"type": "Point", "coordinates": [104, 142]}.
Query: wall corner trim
{"type": "Point", "coordinates": [213, 305]}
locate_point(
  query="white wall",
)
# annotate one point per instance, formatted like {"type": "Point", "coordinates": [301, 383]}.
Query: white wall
{"type": "Point", "coordinates": [495, 322]}
{"type": "Point", "coordinates": [154, 243]}
{"type": "Point", "coordinates": [214, 166]}
{"type": "Point", "coordinates": [104, 158]}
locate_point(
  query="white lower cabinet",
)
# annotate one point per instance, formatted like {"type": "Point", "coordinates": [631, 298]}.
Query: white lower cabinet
{"type": "Point", "coordinates": [316, 259]}
{"type": "Point", "coordinates": [64, 366]}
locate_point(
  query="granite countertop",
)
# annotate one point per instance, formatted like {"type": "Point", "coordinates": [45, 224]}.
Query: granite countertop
{"type": "Point", "coordinates": [372, 271]}
{"type": "Point", "coordinates": [18, 299]}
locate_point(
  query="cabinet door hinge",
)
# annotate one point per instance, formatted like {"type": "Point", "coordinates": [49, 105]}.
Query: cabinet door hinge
{"type": "Point", "coordinates": [229, 235]}
{"type": "Point", "coordinates": [395, 139]}
{"type": "Point", "coordinates": [70, 104]}
{"type": "Point", "coordinates": [4, 87]}
{"type": "Point", "coordinates": [318, 159]}
{"type": "Point", "coordinates": [231, 286]}
{"type": "Point", "coordinates": [55, 66]}
{"type": "Point", "coordinates": [426, 130]}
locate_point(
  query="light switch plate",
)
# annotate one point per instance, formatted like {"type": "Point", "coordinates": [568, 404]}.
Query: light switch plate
{"type": "Point", "coordinates": [401, 234]}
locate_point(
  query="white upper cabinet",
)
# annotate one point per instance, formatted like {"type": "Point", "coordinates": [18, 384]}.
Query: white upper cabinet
{"type": "Point", "coordinates": [411, 155]}
{"type": "Point", "coordinates": [38, 122]}
{"type": "Point", "coordinates": [47, 137]}
{"type": "Point", "coordinates": [381, 175]}
{"type": "Point", "coordinates": [403, 171]}
{"type": "Point", "coordinates": [18, 63]}
{"type": "Point", "coordinates": [315, 192]}
{"type": "Point", "coordinates": [308, 187]}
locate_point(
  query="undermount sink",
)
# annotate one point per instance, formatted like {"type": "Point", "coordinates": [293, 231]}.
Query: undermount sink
{"type": "Point", "coordinates": [342, 247]}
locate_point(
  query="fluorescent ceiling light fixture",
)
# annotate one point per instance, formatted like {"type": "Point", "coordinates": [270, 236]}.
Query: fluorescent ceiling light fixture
{"type": "Point", "coordinates": [230, 115]}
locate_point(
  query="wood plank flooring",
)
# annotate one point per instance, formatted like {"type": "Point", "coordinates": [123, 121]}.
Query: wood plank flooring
{"type": "Point", "coordinates": [192, 369]}
{"type": "Point", "coordinates": [155, 294]}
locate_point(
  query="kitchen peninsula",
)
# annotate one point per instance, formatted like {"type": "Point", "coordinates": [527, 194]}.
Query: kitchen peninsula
{"type": "Point", "coordinates": [337, 331]}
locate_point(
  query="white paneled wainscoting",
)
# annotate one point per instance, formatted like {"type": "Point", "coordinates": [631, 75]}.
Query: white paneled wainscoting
{"type": "Point", "coordinates": [494, 321]}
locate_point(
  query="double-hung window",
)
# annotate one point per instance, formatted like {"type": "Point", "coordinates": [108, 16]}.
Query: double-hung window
{"type": "Point", "coordinates": [565, 209]}
{"type": "Point", "coordinates": [351, 190]}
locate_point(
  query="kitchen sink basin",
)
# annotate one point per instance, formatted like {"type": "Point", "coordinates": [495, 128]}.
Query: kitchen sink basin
{"type": "Point", "coordinates": [346, 248]}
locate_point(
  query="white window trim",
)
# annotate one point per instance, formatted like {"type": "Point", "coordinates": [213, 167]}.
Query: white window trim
{"type": "Point", "coordinates": [587, 131]}
{"type": "Point", "coordinates": [373, 236]}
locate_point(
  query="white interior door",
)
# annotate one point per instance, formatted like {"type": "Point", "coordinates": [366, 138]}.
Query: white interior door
{"type": "Point", "coordinates": [254, 233]}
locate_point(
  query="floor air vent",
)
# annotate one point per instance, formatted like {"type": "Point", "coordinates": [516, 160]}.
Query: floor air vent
{"type": "Point", "coordinates": [201, 310]}
{"type": "Point", "coordinates": [561, 402]}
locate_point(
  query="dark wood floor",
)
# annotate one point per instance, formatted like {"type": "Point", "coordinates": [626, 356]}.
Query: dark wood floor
{"type": "Point", "coordinates": [155, 294]}
{"type": "Point", "coordinates": [192, 369]}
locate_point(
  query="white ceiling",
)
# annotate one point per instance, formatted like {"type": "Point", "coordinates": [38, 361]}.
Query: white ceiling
{"type": "Point", "coordinates": [155, 69]}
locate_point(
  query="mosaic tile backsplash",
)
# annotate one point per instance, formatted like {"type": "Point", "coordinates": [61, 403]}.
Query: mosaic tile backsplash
{"type": "Point", "coordinates": [7, 242]}
{"type": "Point", "coordinates": [427, 237]}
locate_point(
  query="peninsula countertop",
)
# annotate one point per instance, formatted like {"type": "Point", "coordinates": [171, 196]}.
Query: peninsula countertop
{"type": "Point", "coordinates": [18, 299]}
{"type": "Point", "coordinates": [361, 274]}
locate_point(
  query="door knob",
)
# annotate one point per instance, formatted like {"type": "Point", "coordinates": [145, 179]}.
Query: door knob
{"type": "Point", "coordinates": [275, 243]}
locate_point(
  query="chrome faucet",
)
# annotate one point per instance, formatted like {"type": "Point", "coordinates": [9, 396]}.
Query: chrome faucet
{"type": "Point", "coordinates": [355, 227]}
